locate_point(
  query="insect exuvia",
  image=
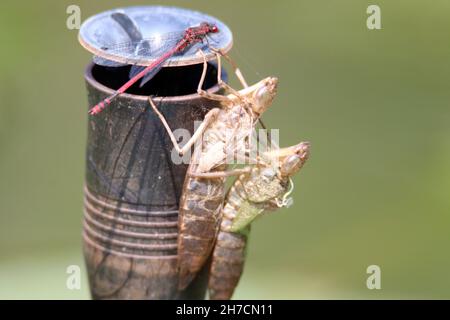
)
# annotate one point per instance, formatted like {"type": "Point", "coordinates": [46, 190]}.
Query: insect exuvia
{"type": "Point", "coordinates": [223, 131]}
{"type": "Point", "coordinates": [265, 187]}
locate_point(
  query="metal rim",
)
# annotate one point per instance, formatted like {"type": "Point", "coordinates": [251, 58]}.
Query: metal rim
{"type": "Point", "coordinates": [101, 87]}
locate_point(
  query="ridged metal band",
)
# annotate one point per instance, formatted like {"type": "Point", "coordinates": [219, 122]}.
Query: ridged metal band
{"type": "Point", "coordinates": [129, 232]}
{"type": "Point", "coordinates": [117, 206]}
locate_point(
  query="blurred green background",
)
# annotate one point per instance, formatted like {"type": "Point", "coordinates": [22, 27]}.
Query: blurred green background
{"type": "Point", "coordinates": [374, 104]}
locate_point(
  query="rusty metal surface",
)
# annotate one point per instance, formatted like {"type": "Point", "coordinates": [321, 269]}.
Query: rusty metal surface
{"type": "Point", "coordinates": [132, 194]}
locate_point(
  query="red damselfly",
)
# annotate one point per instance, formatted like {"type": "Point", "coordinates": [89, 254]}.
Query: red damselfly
{"type": "Point", "coordinates": [177, 42]}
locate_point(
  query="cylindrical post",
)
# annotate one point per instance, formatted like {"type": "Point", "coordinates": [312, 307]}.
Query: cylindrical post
{"type": "Point", "coordinates": [133, 187]}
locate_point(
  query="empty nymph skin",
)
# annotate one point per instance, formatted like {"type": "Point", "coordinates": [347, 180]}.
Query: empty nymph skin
{"type": "Point", "coordinates": [265, 188]}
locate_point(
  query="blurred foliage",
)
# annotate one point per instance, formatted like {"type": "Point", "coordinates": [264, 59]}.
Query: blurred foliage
{"type": "Point", "coordinates": [374, 104]}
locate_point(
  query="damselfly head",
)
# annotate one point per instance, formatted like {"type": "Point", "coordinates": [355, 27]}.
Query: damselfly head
{"type": "Point", "coordinates": [209, 27]}
{"type": "Point", "coordinates": [293, 162]}
{"type": "Point", "coordinates": [264, 93]}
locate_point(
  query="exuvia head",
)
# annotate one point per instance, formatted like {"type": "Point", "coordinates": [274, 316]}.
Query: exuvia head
{"type": "Point", "coordinates": [295, 160]}
{"type": "Point", "coordinates": [263, 94]}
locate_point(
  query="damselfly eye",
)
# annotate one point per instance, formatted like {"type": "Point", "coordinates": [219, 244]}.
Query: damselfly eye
{"type": "Point", "coordinates": [214, 29]}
